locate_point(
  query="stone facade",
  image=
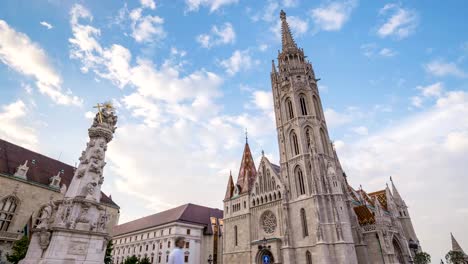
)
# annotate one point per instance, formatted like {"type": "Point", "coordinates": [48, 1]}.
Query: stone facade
{"type": "Point", "coordinates": [154, 236]}
{"type": "Point", "coordinates": [304, 211]}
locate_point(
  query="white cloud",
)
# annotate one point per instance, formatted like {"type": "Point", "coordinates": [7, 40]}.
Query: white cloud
{"type": "Point", "coordinates": [333, 16]}
{"type": "Point", "coordinates": [368, 49]}
{"type": "Point", "coordinates": [13, 126]}
{"type": "Point", "coordinates": [18, 52]}
{"type": "Point", "coordinates": [148, 4]}
{"type": "Point", "coordinates": [386, 52]}
{"type": "Point", "coordinates": [441, 68]}
{"type": "Point", "coordinates": [146, 28]}
{"type": "Point", "coordinates": [89, 115]}
{"type": "Point", "coordinates": [400, 22]}
{"type": "Point", "coordinates": [360, 130]}
{"type": "Point", "coordinates": [263, 100]}
{"type": "Point", "coordinates": [213, 5]}
{"type": "Point", "coordinates": [239, 61]}
{"type": "Point", "coordinates": [263, 47]}
{"type": "Point", "coordinates": [218, 36]}
{"type": "Point", "coordinates": [290, 3]}
{"type": "Point", "coordinates": [433, 90]}
{"type": "Point", "coordinates": [422, 152]}
{"type": "Point", "coordinates": [336, 119]}
{"type": "Point", "coordinates": [45, 24]}
{"type": "Point", "coordinates": [416, 101]}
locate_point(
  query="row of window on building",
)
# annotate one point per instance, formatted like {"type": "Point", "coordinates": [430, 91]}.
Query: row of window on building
{"type": "Point", "coordinates": [141, 236]}
{"type": "Point", "coordinates": [120, 261]}
{"type": "Point", "coordinates": [120, 250]}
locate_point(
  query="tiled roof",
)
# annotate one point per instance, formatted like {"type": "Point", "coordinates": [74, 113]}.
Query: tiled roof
{"type": "Point", "coordinates": [187, 213]}
{"type": "Point", "coordinates": [381, 197]}
{"type": "Point", "coordinates": [41, 168]}
{"type": "Point", "coordinates": [277, 168]}
{"type": "Point", "coordinates": [247, 171]}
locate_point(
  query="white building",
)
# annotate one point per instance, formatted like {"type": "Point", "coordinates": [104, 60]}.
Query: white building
{"type": "Point", "coordinates": [154, 236]}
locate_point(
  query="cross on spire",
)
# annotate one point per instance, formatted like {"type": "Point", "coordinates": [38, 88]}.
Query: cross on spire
{"type": "Point", "coordinates": [98, 106]}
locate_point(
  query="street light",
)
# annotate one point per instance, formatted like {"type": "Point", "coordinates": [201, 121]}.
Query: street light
{"type": "Point", "coordinates": [210, 259]}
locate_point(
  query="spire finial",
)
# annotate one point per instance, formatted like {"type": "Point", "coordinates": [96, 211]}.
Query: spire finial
{"type": "Point", "coordinates": [263, 153]}
{"type": "Point", "coordinates": [246, 137]}
{"type": "Point", "coordinates": [286, 36]}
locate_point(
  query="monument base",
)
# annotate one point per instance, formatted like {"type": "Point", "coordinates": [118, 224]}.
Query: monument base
{"type": "Point", "coordinates": [66, 247]}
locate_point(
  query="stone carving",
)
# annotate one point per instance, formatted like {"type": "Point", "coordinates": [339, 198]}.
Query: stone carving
{"type": "Point", "coordinates": [339, 231]}
{"type": "Point", "coordinates": [67, 206]}
{"type": "Point", "coordinates": [83, 216]}
{"type": "Point", "coordinates": [77, 248]}
{"type": "Point", "coordinates": [22, 170]}
{"type": "Point", "coordinates": [268, 222]}
{"type": "Point", "coordinates": [63, 189]}
{"type": "Point", "coordinates": [102, 221]}
{"type": "Point", "coordinates": [46, 215]}
{"type": "Point", "coordinates": [89, 188]}
{"type": "Point", "coordinates": [44, 239]}
{"type": "Point", "coordinates": [80, 173]}
{"type": "Point", "coordinates": [319, 232]}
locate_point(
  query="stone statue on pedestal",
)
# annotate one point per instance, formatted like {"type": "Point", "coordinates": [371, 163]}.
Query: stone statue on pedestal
{"type": "Point", "coordinates": [73, 230]}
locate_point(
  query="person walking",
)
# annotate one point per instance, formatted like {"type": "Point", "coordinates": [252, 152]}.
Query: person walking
{"type": "Point", "coordinates": [177, 254]}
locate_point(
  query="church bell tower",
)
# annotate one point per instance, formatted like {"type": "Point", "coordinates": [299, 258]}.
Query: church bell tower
{"type": "Point", "coordinates": [310, 168]}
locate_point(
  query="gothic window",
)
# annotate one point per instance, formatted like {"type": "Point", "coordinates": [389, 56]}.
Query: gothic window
{"type": "Point", "coordinates": [317, 107]}
{"type": "Point", "coordinates": [295, 144]}
{"type": "Point", "coordinates": [324, 141]}
{"type": "Point", "coordinates": [300, 181]}
{"type": "Point", "coordinates": [308, 257]}
{"type": "Point", "coordinates": [188, 231]}
{"type": "Point", "coordinates": [168, 244]}
{"type": "Point", "coordinates": [289, 108]}
{"type": "Point", "coordinates": [235, 235]}
{"type": "Point", "coordinates": [273, 184]}
{"type": "Point", "coordinates": [253, 202]}
{"type": "Point", "coordinates": [308, 138]}
{"type": "Point", "coordinates": [303, 105]}
{"type": "Point", "coordinates": [7, 209]}
{"type": "Point", "coordinates": [269, 179]}
{"type": "Point", "coordinates": [305, 231]}
{"type": "Point", "coordinates": [256, 188]}
{"type": "Point", "coordinates": [261, 183]}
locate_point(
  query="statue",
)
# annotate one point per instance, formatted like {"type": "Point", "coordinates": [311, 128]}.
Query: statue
{"type": "Point", "coordinates": [46, 215]}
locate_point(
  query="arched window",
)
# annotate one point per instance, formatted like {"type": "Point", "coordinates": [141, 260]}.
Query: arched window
{"type": "Point", "coordinates": [235, 235]}
{"type": "Point", "coordinates": [261, 183]}
{"type": "Point", "coordinates": [305, 230]}
{"type": "Point", "coordinates": [308, 138]}
{"type": "Point", "coordinates": [268, 175]}
{"type": "Point", "coordinates": [256, 188]}
{"type": "Point", "coordinates": [302, 100]}
{"type": "Point", "coordinates": [308, 257]}
{"type": "Point", "coordinates": [318, 114]}
{"type": "Point", "coordinates": [289, 109]}
{"type": "Point", "coordinates": [7, 209]}
{"type": "Point", "coordinates": [295, 144]}
{"type": "Point", "coordinates": [324, 141]}
{"type": "Point", "coordinates": [273, 183]}
{"type": "Point", "coordinates": [300, 181]}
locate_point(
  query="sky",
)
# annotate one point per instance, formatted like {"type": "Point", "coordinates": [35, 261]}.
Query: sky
{"type": "Point", "coordinates": [188, 77]}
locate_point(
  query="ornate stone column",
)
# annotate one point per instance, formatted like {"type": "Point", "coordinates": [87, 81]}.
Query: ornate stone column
{"type": "Point", "coordinates": [73, 230]}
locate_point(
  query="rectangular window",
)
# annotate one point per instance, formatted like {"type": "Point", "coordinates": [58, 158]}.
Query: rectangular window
{"type": "Point", "coordinates": [187, 244]}
{"type": "Point", "coordinates": [159, 259]}
{"type": "Point", "coordinates": [168, 244]}
{"type": "Point", "coordinates": [167, 258]}
{"type": "Point", "coordinates": [170, 230]}
{"type": "Point", "coordinates": [186, 259]}
{"type": "Point", "coordinates": [188, 231]}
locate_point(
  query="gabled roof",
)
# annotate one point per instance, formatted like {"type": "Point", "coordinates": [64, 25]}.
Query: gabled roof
{"type": "Point", "coordinates": [455, 245]}
{"type": "Point", "coordinates": [187, 213]}
{"type": "Point", "coordinates": [11, 156]}
{"type": "Point", "coordinates": [247, 171]}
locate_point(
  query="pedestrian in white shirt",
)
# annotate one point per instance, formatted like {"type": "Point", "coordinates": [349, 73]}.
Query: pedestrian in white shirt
{"type": "Point", "coordinates": [177, 254]}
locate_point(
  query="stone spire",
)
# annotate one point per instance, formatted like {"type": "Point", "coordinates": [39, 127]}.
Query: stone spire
{"type": "Point", "coordinates": [286, 36]}
{"type": "Point", "coordinates": [247, 171]}
{"type": "Point", "coordinates": [396, 195]}
{"type": "Point", "coordinates": [75, 229]}
{"type": "Point", "coordinates": [230, 187]}
{"type": "Point", "coordinates": [455, 245]}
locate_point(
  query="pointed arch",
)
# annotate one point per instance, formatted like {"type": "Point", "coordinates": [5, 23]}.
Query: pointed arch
{"type": "Point", "coordinates": [294, 143]}
{"type": "Point", "coordinates": [8, 206]}
{"type": "Point", "coordinates": [308, 257]}
{"type": "Point", "coordinates": [289, 109]}
{"type": "Point", "coordinates": [323, 137]}
{"type": "Point", "coordinates": [300, 181]}
{"type": "Point", "coordinates": [303, 102]}
{"type": "Point", "coordinates": [308, 136]}
{"type": "Point", "coordinates": [268, 175]}
{"type": "Point", "coordinates": [318, 113]}
{"type": "Point", "coordinates": [305, 230]}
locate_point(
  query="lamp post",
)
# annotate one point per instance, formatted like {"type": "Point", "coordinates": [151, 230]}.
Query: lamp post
{"type": "Point", "coordinates": [210, 259]}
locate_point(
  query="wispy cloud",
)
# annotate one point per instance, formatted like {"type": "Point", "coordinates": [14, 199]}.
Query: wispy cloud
{"type": "Point", "coordinates": [213, 5]}
{"type": "Point", "coordinates": [240, 60]}
{"type": "Point", "coordinates": [219, 35]}
{"type": "Point", "coordinates": [28, 58]}
{"type": "Point", "coordinates": [332, 16]}
{"type": "Point", "coordinates": [13, 126]}
{"type": "Point", "coordinates": [47, 25]}
{"type": "Point", "coordinates": [442, 68]}
{"type": "Point", "coordinates": [400, 22]}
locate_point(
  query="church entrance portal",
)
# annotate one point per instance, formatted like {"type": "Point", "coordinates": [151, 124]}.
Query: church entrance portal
{"type": "Point", "coordinates": [265, 257]}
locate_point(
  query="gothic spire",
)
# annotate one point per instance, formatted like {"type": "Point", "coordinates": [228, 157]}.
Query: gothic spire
{"type": "Point", "coordinates": [455, 245]}
{"type": "Point", "coordinates": [396, 194]}
{"type": "Point", "coordinates": [230, 187]}
{"type": "Point", "coordinates": [286, 36]}
{"type": "Point", "coordinates": [247, 171]}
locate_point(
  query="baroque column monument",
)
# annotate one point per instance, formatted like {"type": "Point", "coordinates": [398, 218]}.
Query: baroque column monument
{"type": "Point", "coordinates": [73, 230]}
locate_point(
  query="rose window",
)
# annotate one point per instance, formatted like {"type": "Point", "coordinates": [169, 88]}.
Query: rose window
{"type": "Point", "coordinates": [268, 222]}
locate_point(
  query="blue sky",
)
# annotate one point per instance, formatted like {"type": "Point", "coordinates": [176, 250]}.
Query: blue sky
{"type": "Point", "coordinates": [187, 77]}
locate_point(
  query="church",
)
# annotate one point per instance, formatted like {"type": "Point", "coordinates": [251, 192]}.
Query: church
{"type": "Point", "coordinates": [303, 210]}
